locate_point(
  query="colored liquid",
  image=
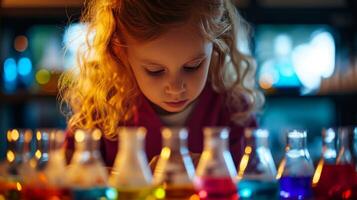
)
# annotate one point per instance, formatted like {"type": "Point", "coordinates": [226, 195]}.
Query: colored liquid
{"type": "Point", "coordinates": [183, 192]}
{"type": "Point", "coordinates": [209, 188]}
{"type": "Point", "coordinates": [94, 194]}
{"type": "Point", "coordinates": [135, 193]}
{"type": "Point", "coordinates": [295, 187]}
{"type": "Point", "coordinates": [45, 193]}
{"type": "Point", "coordinates": [256, 189]}
{"type": "Point", "coordinates": [334, 180]}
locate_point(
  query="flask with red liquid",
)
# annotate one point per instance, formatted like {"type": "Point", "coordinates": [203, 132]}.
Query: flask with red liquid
{"type": "Point", "coordinates": [174, 171]}
{"type": "Point", "coordinates": [216, 173]}
{"type": "Point", "coordinates": [50, 168]}
{"type": "Point", "coordinates": [296, 169]}
{"type": "Point", "coordinates": [324, 176]}
{"type": "Point", "coordinates": [343, 171]}
{"type": "Point", "coordinates": [16, 167]}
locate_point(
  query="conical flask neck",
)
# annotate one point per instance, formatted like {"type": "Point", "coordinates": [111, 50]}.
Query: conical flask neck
{"type": "Point", "coordinates": [216, 139]}
{"type": "Point", "coordinates": [329, 140]}
{"type": "Point", "coordinates": [131, 140]}
{"type": "Point", "coordinates": [344, 152]}
{"type": "Point", "coordinates": [296, 140]}
{"type": "Point", "coordinates": [175, 139]}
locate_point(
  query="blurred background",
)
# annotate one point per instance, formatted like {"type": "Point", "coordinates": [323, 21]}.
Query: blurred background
{"type": "Point", "coordinates": [305, 51]}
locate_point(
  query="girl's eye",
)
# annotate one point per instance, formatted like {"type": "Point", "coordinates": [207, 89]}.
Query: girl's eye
{"type": "Point", "coordinates": [191, 68]}
{"type": "Point", "coordinates": [155, 72]}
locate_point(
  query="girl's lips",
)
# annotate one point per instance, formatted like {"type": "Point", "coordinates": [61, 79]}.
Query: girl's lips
{"type": "Point", "coordinates": [176, 104]}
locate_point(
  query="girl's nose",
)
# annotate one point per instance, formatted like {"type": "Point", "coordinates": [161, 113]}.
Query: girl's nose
{"type": "Point", "coordinates": [175, 88]}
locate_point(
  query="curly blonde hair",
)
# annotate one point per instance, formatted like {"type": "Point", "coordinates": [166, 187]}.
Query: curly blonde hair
{"type": "Point", "coordinates": [102, 91]}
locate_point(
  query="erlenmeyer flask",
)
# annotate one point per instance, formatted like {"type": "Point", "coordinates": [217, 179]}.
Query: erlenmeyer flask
{"type": "Point", "coordinates": [86, 175]}
{"type": "Point", "coordinates": [174, 170]}
{"type": "Point", "coordinates": [18, 150]}
{"type": "Point", "coordinates": [50, 168]}
{"type": "Point", "coordinates": [131, 175]}
{"type": "Point", "coordinates": [323, 179]}
{"type": "Point", "coordinates": [296, 169]}
{"type": "Point", "coordinates": [257, 171]}
{"type": "Point", "coordinates": [343, 176]}
{"type": "Point", "coordinates": [216, 173]}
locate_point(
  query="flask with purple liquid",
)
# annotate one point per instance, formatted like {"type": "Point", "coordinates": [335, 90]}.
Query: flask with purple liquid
{"type": "Point", "coordinates": [296, 169]}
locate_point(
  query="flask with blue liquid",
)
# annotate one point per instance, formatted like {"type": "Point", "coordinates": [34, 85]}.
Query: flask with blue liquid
{"type": "Point", "coordinates": [257, 171]}
{"type": "Point", "coordinates": [86, 175]}
{"type": "Point", "coordinates": [296, 169]}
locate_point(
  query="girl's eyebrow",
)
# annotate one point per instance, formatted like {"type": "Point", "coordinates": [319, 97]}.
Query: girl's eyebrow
{"type": "Point", "coordinates": [200, 56]}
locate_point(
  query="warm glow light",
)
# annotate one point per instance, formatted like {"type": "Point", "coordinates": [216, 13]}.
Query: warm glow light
{"type": "Point", "coordinates": [281, 169]}
{"type": "Point", "coordinates": [38, 154]}
{"type": "Point", "coordinates": [20, 43]}
{"type": "Point", "coordinates": [195, 197]}
{"type": "Point", "coordinates": [10, 156]}
{"type": "Point", "coordinates": [266, 81]}
{"type": "Point", "coordinates": [248, 150]}
{"type": "Point", "coordinates": [33, 163]}
{"type": "Point", "coordinates": [38, 135]}
{"type": "Point", "coordinates": [318, 171]}
{"type": "Point", "coordinates": [166, 133]}
{"type": "Point", "coordinates": [15, 135]}
{"type": "Point", "coordinates": [28, 135]}
{"type": "Point", "coordinates": [43, 76]}
{"type": "Point", "coordinates": [79, 136]}
{"type": "Point", "coordinates": [97, 134]}
{"type": "Point", "coordinates": [243, 164]}
{"type": "Point", "coordinates": [18, 186]}
{"type": "Point", "coordinates": [8, 135]}
{"type": "Point", "coordinates": [165, 153]}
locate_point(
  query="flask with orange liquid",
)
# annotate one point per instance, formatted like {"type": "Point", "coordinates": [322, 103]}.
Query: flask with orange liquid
{"type": "Point", "coordinates": [174, 171]}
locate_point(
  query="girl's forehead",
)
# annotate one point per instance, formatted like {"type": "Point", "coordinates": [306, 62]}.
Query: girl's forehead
{"type": "Point", "coordinates": [178, 38]}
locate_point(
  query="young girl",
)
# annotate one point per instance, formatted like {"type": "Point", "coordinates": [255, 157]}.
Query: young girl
{"type": "Point", "coordinates": [162, 63]}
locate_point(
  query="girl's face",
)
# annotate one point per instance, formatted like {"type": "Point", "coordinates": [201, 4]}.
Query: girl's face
{"type": "Point", "coordinates": [172, 70]}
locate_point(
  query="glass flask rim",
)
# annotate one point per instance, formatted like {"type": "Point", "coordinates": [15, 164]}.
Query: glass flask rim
{"type": "Point", "coordinates": [222, 130]}
{"type": "Point", "coordinates": [20, 134]}
{"type": "Point", "coordinates": [296, 133]}
{"type": "Point", "coordinates": [257, 132]}
{"type": "Point", "coordinates": [181, 131]}
{"type": "Point", "coordinates": [80, 135]}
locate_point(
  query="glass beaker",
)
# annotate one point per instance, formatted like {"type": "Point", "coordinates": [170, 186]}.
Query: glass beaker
{"type": "Point", "coordinates": [323, 180]}
{"type": "Point", "coordinates": [50, 168]}
{"type": "Point", "coordinates": [296, 169]}
{"type": "Point", "coordinates": [86, 175]}
{"type": "Point", "coordinates": [18, 155]}
{"type": "Point", "coordinates": [344, 170]}
{"type": "Point", "coordinates": [174, 170]}
{"type": "Point", "coordinates": [257, 171]}
{"type": "Point", "coordinates": [216, 173]}
{"type": "Point", "coordinates": [131, 175]}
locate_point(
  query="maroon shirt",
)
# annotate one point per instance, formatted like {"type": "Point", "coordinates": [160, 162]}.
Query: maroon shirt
{"type": "Point", "coordinates": [210, 110]}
